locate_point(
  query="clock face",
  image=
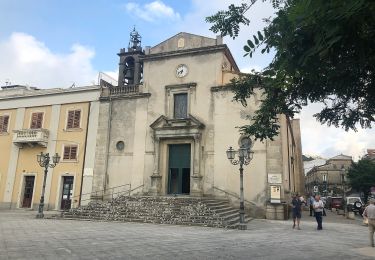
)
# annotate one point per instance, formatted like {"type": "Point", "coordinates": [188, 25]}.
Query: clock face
{"type": "Point", "coordinates": [181, 71]}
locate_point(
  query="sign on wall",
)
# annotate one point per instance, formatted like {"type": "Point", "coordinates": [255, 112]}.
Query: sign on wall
{"type": "Point", "coordinates": [275, 193]}
{"type": "Point", "coordinates": [274, 178]}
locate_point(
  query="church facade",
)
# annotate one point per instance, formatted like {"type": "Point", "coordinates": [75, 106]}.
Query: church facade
{"type": "Point", "coordinates": [166, 126]}
{"type": "Point", "coordinates": [162, 130]}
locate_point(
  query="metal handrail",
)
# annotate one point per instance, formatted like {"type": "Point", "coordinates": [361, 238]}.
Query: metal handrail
{"type": "Point", "coordinates": [102, 194]}
{"type": "Point", "coordinates": [233, 195]}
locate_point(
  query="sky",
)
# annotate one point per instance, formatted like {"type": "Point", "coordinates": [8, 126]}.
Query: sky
{"type": "Point", "coordinates": [50, 43]}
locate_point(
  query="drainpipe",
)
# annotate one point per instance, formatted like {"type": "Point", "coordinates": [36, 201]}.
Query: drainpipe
{"type": "Point", "coordinates": [84, 155]}
{"type": "Point", "coordinates": [108, 141]}
{"type": "Point", "coordinates": [287, 141]}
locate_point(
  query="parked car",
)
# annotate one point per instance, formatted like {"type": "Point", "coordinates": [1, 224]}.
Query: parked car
{"type": "Point", "coordinates": [355, 203]}
{"type": "Point", "coordinates": [334, 203]}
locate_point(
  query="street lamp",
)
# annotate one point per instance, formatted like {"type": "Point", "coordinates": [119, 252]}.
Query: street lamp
{"type": "Point", "coordinates": [44, 161]}
{"type": "Point", "coordinates": [244, 157]}
{"type": "Point", "coordinates": [316, 186]}
{"type": "Point", "coordinates": [325, 183]}
{"type": "Point", "coordinates": [343, 183]}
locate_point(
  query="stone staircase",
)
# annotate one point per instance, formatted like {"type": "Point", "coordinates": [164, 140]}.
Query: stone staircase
{"type": "Point", "coordinates": [178, 210]}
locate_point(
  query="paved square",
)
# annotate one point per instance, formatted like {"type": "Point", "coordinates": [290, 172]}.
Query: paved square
{"type": "Point", "coordinates": [24, 237]}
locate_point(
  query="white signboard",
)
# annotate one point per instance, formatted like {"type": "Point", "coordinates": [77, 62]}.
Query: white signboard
{"type": "Point", "coordinates": [316, 189]}
{"type": "Point", "coordinates": [275, 193]}
{"type": "Point", "coordinates": [274, 178]}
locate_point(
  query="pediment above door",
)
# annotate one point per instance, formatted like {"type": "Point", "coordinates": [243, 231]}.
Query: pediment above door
{"type": "Point", "coordinates": [168, 128]}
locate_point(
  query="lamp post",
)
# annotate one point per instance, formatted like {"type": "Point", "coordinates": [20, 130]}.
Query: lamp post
{"type": "Point", "coordinates": [44, 161]}
{"type": "Point", "coordinates": [325, 183]}
{"type": "Point", "coordinates": [342, 173]}
{"type": "Point", "coordinates": [316, 186]}
{"type": "Point", "coordinates": [244, 157]}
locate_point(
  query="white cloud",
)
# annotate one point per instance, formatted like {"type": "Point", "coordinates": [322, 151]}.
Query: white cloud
{"type": "Point", "coordinates": [25, 60]}
{"type": "Point", "coordinates": [327, 141]}
{"type": "Point", "coordinates": [194, 22]}
{"type": "Point", "coordinates": [317, 139]}
{"type": "Point", "coordinates": [152, 11]}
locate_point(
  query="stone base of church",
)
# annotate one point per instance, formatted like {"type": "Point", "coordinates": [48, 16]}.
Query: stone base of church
{"type": "Point", "coordinates": [196, 187]}
{"type": "Point", "coordinates": [155, 188]}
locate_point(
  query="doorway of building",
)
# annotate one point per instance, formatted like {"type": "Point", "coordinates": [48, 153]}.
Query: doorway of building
{"type": "Point", "coordinates": [67, 192]}
{"type": "Point", "coordinates": [28, 191]}
{"type": "Point", "coordinates": [179, 169]}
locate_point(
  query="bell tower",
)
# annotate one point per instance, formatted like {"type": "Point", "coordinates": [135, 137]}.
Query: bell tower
{"type": "Point", "coordinates": [130, 66]}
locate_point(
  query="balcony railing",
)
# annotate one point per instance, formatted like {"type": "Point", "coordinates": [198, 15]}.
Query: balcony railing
{"type": "Point", "coordinates": [31, 137]}
{"type": "Point", "coordinates": [124, 90]}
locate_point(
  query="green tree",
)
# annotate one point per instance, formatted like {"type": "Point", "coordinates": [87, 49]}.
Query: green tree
{"type": "Point", "coordinates": [362, 175]}
{"type": "Point", "coordinates": [324, 53]}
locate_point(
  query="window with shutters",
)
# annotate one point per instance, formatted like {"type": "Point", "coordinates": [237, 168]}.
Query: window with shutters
{"type": "Point", "coordinates": [36, 120]}
{"type": "Point", "coordinates": [180, 105]}
{"type": "Point", "coordinates": [74, 119]}
{"type": "Point", "coordinates": [4, 123]}
{"type": "Point", "coordinates": [70, 152]}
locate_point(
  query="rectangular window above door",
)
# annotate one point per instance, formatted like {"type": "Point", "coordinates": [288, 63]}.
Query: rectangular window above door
{"type": "Point", "coordinates": [4, 122]}
{"type": "Point", "coordinates": [74, 119]}
{"type": "Point", "coordinates": [180, 105]}
{"type": "Point", "coordinates": [70, 152]}
{"type": "Point", "coordinates": [36, 120]}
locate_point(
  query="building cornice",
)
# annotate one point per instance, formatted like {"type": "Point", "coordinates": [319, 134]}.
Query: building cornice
{"type": "Point", "coordinates": [195, 51]}
{"type": "Point", "coordinates": [51, 97]}
{"type": "Point", "coordinates": [125, 96]}
{"type": "Point", "coordinates": [50, 92]}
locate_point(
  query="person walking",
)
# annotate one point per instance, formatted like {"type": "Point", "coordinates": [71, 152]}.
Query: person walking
{"type": "Point", "coordinates": [318, 208]}
{"type": "Point", "coordinates": [296, 210]}
{"type": "Point", "coordinates": [369, 213]}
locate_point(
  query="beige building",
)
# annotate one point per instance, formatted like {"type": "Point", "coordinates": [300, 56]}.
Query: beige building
{"type": "Point", "coordinates": [165, 128]}
{"type": "Point", "coordinates": [329, 179]}
{"type": "Point", "coordinates": [49, 121]}
{"type": "Point", "coordinates": [370, 154]}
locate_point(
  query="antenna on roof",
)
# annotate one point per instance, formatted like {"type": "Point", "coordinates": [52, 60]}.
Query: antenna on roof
{"type": "Point", "coordinates": [7, 82]}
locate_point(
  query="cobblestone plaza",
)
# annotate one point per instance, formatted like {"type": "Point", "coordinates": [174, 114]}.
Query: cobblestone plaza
{"type": "Point", "coordinates": [24, 237]}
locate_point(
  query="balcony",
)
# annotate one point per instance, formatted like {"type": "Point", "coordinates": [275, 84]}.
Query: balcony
{"type": "Point", "coordinates": [125, 90]}
{"type": "Point", "coordinates": [31, 137]}
{"type": "Point", "coordinates": [119, 92]}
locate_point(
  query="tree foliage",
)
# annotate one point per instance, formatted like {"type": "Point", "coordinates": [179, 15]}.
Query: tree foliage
{"type": "Point", "coordinates": [324, 53]}
{"type": "Point", "coordinates": [362, 175]}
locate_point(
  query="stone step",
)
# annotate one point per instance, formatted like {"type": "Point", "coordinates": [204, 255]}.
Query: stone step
{"type": "Point", "coordinates": [214, 203]}
{"type": "Point", "coordinates": [219, 207]}
{"type": "Point", "coordinates": [226, 210]}
{"type": "Point", "coordinates": [164, 210]}
{"type": "Point", "coordinates": [231, 216]}
{"type": "Point", "coordinates": [150, 217]}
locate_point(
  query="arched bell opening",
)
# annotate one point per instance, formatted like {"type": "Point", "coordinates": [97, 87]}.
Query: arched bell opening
{"type": "Point", "coordinates": [129, 71]}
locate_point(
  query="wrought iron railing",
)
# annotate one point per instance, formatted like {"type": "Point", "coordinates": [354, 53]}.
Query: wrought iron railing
{"type": "Point", "coordinates": [100, 195]}
{"type": "Point", "coordinates": [232, 194]}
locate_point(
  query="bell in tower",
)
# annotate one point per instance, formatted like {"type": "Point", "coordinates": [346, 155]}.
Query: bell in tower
{"type": "Point", "coordinates": [130, 66]}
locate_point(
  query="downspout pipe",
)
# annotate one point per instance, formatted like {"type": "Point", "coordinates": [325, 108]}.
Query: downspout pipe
{"type": "Point", "coordinates": [84, 155]}
{"type": "Point", "coordinates": [108, 141]}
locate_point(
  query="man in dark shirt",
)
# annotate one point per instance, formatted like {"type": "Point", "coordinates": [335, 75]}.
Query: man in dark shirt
{"type": "Point", "coordinates": [296, 210]}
